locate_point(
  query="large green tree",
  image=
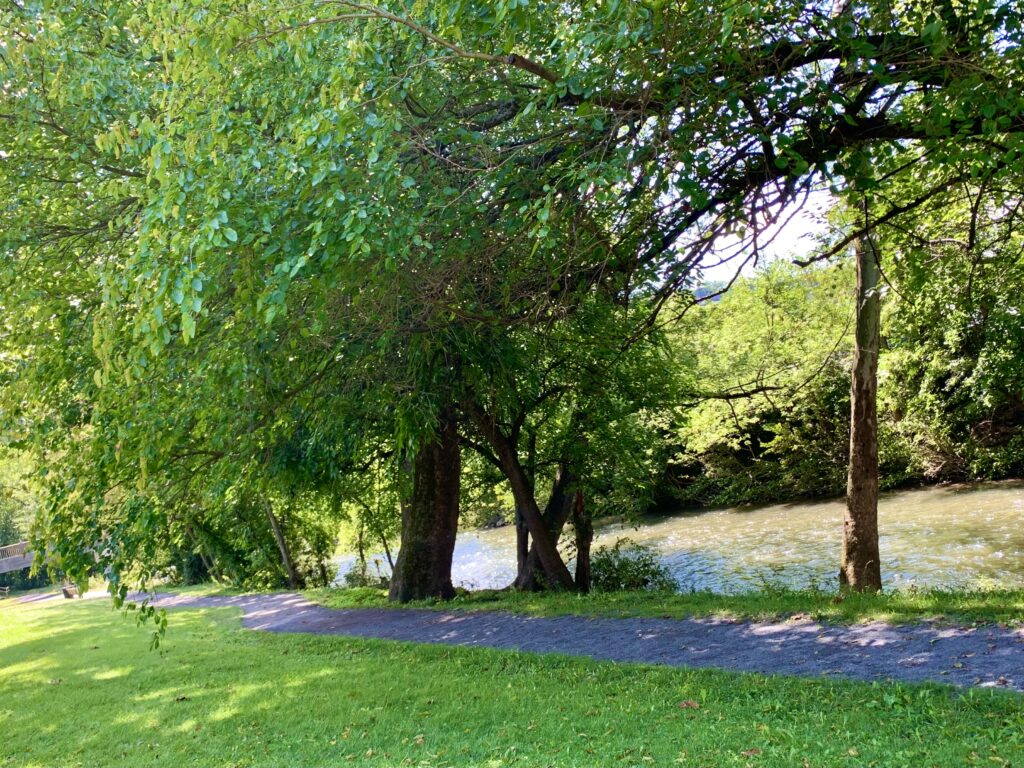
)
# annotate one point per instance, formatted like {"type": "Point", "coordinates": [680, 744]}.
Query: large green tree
{"type": "Point", "coordinates": [291, 220]}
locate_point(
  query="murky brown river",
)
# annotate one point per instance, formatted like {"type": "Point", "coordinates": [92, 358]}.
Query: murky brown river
{"type": "Point", "coordinates": [943, 536]}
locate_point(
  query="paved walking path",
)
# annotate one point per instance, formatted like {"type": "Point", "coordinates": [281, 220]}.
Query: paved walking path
{"type": "Point", "coordinates": [964, 656]}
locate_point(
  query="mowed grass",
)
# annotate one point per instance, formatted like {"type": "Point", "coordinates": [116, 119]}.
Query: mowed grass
{"type": "Point", "coordinates": [80, 687]}
{"type": "Point", "coordinates": [951, 606]}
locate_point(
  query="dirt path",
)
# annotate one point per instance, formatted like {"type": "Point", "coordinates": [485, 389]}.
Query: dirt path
{"type": "Point", "coordinates": [987, 657]}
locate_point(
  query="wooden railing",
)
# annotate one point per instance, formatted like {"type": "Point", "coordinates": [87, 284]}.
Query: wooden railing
{"type": "Point", "coordinates": [13, 550]}
{"type": "Point", "coordinates": [14, 557]}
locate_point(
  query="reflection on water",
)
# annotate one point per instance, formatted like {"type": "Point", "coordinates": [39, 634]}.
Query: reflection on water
{"type": "Point", "coordinates": [945, 536]}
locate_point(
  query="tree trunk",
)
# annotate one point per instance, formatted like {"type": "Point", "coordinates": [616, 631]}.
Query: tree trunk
{"type": "Point", "coordinates": [522, 532]}
{"type": "Point", "coordinates": [387, 552]}
{"type": "Point", "coordinates": [860, 569]}
{"type": "Point", "coordinates": [556, 574]}
{"type": "Point", "coordinates": [295, 581]}
{"type": "Point", "coordinates": [522, 541]}
{"type": "Point", "coordinates": [584, 528]}
{"type": "Point", "coordinates": [201, 551]}
{"type": "Point", "coordinates": [529, 576]}
{"type": "Point", "coordinates": [430, 519]}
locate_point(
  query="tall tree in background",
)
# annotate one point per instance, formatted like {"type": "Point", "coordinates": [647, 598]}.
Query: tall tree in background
{"type": "Point", "coordinates": [860, 565]}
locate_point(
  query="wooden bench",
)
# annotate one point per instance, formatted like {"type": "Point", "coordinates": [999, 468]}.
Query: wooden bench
{"type": "Point", "coordinates": [69, 591]}
{"type": "Point", "coordinates": [5, 591]}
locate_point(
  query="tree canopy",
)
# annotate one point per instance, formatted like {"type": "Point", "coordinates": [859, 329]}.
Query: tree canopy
{"type": "Point", "coordinates": [252, 252]}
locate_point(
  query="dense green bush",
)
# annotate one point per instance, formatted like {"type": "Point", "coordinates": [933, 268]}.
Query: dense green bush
{"type": "Point", "coordinates": [25, 579]}
{"type": "Point", "coordinates": [627, 565]}
{"type": "Point", "coordinates": [361, 574]}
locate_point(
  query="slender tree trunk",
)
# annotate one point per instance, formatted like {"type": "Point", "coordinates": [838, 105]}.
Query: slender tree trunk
{"type": "Point", "coordinates": [370, 515]}
{"type": "Point", "coordinates": [557, 511]}
{"type": "Point", "coordinates": [387, 552]}
{"type": "Point", "coordinates": [200, 550]}
{"type": "Point", "coordinates": [556, 574]}
{"type": "Point", "coordinates": [430, 519]}
{"type": "Point", "coordinates": [295, 581]}
{"type": "Point", "coordinates": [361, 549]}
{"type": "Point", "coordinates": [860, 568]}
{"type": "Point", "coordinates": [584, 528]}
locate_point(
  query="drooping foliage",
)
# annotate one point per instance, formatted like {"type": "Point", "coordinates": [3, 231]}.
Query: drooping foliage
{"type": "Point", "coordinates": [253, 252]}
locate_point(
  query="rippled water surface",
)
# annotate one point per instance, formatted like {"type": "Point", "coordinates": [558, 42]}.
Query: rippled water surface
{"type": "Point", "coordinates": [943, 536]}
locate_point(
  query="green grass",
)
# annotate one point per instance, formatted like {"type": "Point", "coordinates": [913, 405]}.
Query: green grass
{"type": "Point", "coordinates": [79, 687]}
{"type": "Point", "coordinates": [1004, 606]}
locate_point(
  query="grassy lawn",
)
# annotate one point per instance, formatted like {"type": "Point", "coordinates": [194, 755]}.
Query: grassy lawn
{"type": "Point", "coordinates": [1005, 607]}
{"type": "Point", "coordinates": [79, 687]}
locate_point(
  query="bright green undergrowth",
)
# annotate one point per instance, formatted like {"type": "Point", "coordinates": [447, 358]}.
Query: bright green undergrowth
{"type": "Point", "coordinates": [1001, 606]}
{"type": "Point", "coordinates": [80, 688]}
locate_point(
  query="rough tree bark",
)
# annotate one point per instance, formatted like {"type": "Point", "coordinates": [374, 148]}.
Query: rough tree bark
{"type": "Point", "coordinates": [556, 513]}
{"type": "Point", "coordinates": [860, 569]}
{"type": "Point", "coordinates": [430, 519]}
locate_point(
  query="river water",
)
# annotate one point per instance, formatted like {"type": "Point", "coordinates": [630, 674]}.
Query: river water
{"type": "Point", "coordinates": [967, 536]}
